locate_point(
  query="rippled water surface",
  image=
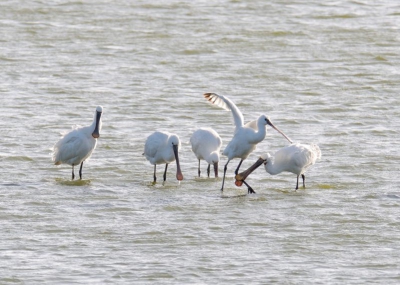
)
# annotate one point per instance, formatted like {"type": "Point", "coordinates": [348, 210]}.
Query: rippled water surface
{"type": "Point", "coordinates": [326, 72]}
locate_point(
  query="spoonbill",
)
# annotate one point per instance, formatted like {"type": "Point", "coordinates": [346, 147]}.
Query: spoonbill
{"type": "Point", "coordinates": [163, 147]}
{"type": "Point", "coordinates": [295, 158]}
{"type": "Point", "coordinates": [78, 145]}
{"type": "Point", "coordinates": [246, 137]}
{"type": "Point", "coordinates": [206, 144]}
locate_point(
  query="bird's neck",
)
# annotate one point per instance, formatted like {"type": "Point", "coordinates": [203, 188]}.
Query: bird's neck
{"type": "Point", "coordinates": [272, 168]}
{"type": "Point", "coordinates": [260, 134]}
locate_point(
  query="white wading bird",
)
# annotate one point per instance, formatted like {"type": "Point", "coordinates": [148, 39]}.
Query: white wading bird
{"type": "Point", "coordinates": [295, 158]}
{"type": "Point", "coordinates": [160, 148]}
{"type": "Point", "coordinates": [78, 145]}
{"type": "Point", "coordinates": [246, 137]}
{"type": "Point", "coordinates": [206, 144]}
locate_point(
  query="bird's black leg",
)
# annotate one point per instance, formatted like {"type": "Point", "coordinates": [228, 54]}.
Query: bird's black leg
{"type": "Point", "coordinates": [73, 175]}
{"type": "Point", "coordinates": [304, 180]}
{"type": "Point", "coordinates": [198, 171]}
{"type": "Point", "coordinates": [297, 184]}
{"type": "Point", "coordinates": [223, 179]}
{"type": "Point", "coordinates": [154, 175]}
{"type": "Point", "coordinates": [80, 171]}
{"type": "Point", "coordinates": [165, 172]}
{"type": "Point", "coordinates": [249, 189]}
{"type": "Point", "coordinates": [237, 169]}
{"type": "Point", "coordinates": [208, 171]}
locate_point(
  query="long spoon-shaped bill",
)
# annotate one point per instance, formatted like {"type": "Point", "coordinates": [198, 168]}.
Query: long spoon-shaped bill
{"type": "Point", "coordinates": [243, 175]}
{"type": "Point", "coordinates": [216, 169]}
{"type": "Point", "coordinates": [179, 175]}
{"type": "Point", "coordinates": [278, 130]}
{"type": "Point", "coordinates": [96, 133]}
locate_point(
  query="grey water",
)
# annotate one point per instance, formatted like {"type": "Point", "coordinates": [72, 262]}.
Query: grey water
{"type": "Point", "coordinates": [325, 72]}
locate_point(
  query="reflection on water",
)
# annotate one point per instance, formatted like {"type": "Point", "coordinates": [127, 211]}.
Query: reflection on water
{"type": "Point", "coordinates": [66, 182]}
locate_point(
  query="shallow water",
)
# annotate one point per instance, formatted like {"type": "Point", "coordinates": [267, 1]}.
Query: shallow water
{"type": "Point", "coordinates": [324, 73]}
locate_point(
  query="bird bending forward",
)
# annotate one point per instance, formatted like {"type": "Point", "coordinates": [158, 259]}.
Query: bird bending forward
{"type": "Point", "coordinates": [163, 147]}
{"type": "Point", "coordinates": [295, 158]}
{"type": "Point", "coordinates": [78, 145]}
{"type": "Point", "coordinates": [206, 144]}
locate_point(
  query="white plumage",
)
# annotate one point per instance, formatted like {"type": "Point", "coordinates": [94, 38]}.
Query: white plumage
{"type": "Point", "coordinates": [78, 145]}
{"type": "Point", "coordinates": [295, 158]}
{"type": "Point", "coordinates": [206, 145]}
{"type": "Point", "coordinates": [163, 147]}
{"type": "Point", "coordinates": [246, 137]}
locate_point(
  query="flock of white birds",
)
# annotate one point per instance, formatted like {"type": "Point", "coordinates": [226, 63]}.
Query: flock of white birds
{"type": "Point", "coordinates": [163, 148]}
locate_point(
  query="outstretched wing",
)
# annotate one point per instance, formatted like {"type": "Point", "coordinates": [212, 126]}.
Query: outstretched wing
{"type": "Point", "coordinates": [227, 104]}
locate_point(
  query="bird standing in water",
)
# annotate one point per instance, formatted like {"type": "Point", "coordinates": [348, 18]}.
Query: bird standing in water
{"type": "Point", "coordinates": [206, 144]}
{"type": "Point", "coordinates": [160, 148]}
{"type": "Point", "coordinates": [78, 145]}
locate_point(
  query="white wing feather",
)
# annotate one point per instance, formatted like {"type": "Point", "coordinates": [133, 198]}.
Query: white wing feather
{"type": "Point", "coordinates": [72, 148]}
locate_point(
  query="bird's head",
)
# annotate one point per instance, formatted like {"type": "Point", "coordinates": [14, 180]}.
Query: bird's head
{"type": "Point", "coordinates": [174, 140]}
{"type": "Point", "coordinates": [214, 157]}
{"type": "Point", "coordinates": [263, 120]}
{"type": "Point", "coordinates": [266, 157]}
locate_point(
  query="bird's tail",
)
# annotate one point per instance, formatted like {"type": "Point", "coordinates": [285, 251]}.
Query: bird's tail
{"type": "Point", "coordinates": [316, 150]}
{"type": "Point", "coordinates": [55, 157]}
